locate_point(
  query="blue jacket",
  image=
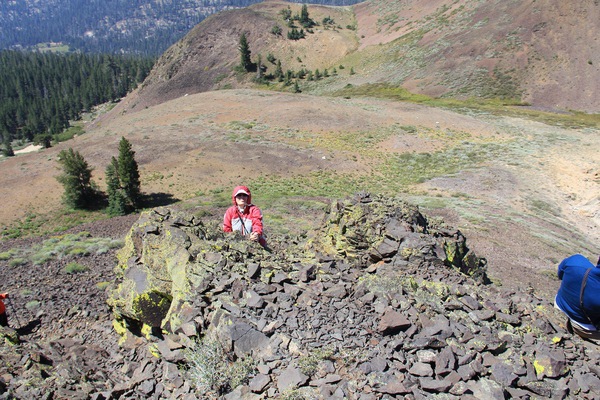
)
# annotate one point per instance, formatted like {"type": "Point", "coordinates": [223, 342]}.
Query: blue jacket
{"type": "Point", "coordinates": [571, 271]}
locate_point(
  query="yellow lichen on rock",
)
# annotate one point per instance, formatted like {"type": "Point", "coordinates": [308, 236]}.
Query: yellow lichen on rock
{"type": "Point", "coordinates": [151, 307]}
{"type": "Point", "coordinates": [539, 368]}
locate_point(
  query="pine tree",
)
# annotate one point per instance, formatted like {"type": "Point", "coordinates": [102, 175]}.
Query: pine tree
{"type": "Point", "coordinates": [43, 139]}
{"type": "Point", "coordinates": [76, 179]}
{"type": "Point", "coordinates": [276, 30]}
{"type": "Point", "coordinates": [117, 202]}
{"type": "Point", "coordinates": [245, 61]}
{"type": "Point", "coordinates": [304, 19]}
{"type": "Point", "coordinates": [129, 175]}
{"type": "Point", "coordinates": [294, 34]}
{"type": "Point", "coordinates": [259, 69]}
{"type": "Point", "coordinates": [279, 71]}
{"type": "Point", "coordinates": [289, 74]}
{"type": "Point", "coordinates": [8, 150]}
{"type": "Point", "coordinates": [286, 13]}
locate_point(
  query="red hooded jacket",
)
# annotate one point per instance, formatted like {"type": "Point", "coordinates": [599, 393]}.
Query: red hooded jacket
{"type": "Point", "coordinates": [245, 221]}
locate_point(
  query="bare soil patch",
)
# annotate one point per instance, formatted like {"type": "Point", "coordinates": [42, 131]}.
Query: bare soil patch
{"type": "Point", "coordinates": [28, 149]}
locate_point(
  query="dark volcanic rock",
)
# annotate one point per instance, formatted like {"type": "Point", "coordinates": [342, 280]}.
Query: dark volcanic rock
{"type": "Point", "coordinates": [379, 302]}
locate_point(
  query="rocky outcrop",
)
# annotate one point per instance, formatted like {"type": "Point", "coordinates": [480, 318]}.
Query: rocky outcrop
{"type": "Point", "coordinates": [170, 258]}
{"type": "Point", "coordinates": [379, 303]}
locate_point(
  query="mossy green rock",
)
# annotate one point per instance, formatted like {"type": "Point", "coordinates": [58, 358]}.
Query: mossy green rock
{"type": "Point", "coordinates": [10, 336]}
{"type": "Point", "coordinates": [369, 228]}
{"type": "Point", "coordinates": [168, 255]}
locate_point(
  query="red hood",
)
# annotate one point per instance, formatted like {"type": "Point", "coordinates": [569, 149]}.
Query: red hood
{"type": "Point", "coordinates": [237, 189]}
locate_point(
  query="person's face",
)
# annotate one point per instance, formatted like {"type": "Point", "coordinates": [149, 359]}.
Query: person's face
{"type": "Point", "coordinates": [241, 200]}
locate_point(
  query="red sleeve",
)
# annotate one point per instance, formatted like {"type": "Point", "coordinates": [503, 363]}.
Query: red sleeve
{"type": "Point", "coordinates": [256, 216]}
{"type": "Point", "coordinates": [227, 220]}
{"type": "Point", "coordinates": [3, 296]}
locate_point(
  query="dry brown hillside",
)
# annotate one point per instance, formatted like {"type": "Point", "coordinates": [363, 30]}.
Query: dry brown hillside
{"type": "Point", "coordinates": [544, 53]}
{"type": "Point", "coordinates": [547, 51]}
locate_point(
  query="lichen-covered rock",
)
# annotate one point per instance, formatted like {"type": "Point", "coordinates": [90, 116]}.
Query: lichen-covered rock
{"type": "Point", "coordinates": [8, 336]}
{"type": "Point", "coordinates": [373, 228]}
{"type": "Point", "coordinates": [167, 259]}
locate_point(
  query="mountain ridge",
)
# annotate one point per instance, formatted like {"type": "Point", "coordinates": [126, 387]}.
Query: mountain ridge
{"type": "Point", "coordinates": [535, 54]}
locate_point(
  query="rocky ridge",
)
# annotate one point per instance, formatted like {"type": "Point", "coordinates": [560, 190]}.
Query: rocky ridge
{"type": "Point", "coordinates": [381, 302]}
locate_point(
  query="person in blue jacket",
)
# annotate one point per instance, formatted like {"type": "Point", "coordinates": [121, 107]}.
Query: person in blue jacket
{"type": "Point", "coordinates": [579, 295]}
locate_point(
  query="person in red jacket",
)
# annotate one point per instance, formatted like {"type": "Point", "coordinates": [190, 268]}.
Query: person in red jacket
{"type": "Point", "coordinates": [244, 217]}
{"type": "Point", "coordinates": [3, 318]}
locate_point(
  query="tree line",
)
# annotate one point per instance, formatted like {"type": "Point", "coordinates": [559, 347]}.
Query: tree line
{"type": "Point", "coordinates": [40, 93]}
{"type": "Point", "coordinates": [123, 192]}
{"type": "Point", "coordinates": [118, 26]}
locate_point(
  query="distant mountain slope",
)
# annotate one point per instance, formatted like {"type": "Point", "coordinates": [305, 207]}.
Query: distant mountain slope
{"type": "Point", "coordinates": [545, 52]}
{"type": "Point", "coordinates": [542, 52]}
{"type": "Point", "coordinates": [205, 59]}
{"type": "Point", "coordinates": [131, 26]}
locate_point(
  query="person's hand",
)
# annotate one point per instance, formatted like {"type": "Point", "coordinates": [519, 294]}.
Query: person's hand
{"type": "Point", "coordinates": [254, 236]}
{"type": "Point", "coordinates": [4, 295]}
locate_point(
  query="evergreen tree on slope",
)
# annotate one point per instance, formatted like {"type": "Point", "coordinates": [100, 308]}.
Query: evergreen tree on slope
{"type": "Point", "coordinates": [129, 175]}
{"type": "Point", "coordinates": [245, 61]}
{"type": "Point", "coordinates": [76, 179]}
{"type": "Point", "coordinates": [117, 202]}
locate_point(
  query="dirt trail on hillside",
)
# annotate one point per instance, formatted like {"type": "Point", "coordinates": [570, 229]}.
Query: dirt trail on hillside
{"type": "Point", "coordinates": [531, 200]}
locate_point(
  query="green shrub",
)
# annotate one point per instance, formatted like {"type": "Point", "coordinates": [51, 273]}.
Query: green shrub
{"type": "Point", "coordinates": [70, 133]}
{"type": "Point", "coordinates": [309, 363]}
{"type": "Point", "coordinates": [15, 262]}
{"type": "Point", "coordinates": [409, 128]}
{"type": "Point", "coordinates": [293, 394]}
{"type": "Point", "coordinates": [102, 250]}
{"type": "Point", "coordinates": [80, 244]}
{"type": "Point", "coordinates": [30, 223]}
{"type": "Point", "coordinates": [211, 369]}
{"type": "Point", "coordinates": [75, 268]}
{"type": "Point", "coordinates": [30, 305]}
{"type": "Point", "coordinates": [79, 251]}
{"type": "Point", "coordinates": [102, 285]}
{"type": "Point", "coordinates": [41, 258]}
{"type": "Point", "coordinates": [115, 243]}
